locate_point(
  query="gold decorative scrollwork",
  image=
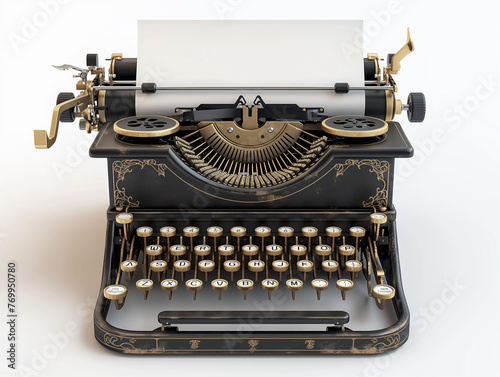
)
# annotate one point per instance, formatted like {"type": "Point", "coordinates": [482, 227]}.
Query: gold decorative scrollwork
{"type": "Point", "coordinates": [194, 344]}
{"type": "Point", "coordinates": [388, 342]}
{"type": "Point", "coordinates": [120, 169]}
{"type": "Point", "coordinates": [119, 342]}
{"type": "Point", "coordinates": [381, 169]}
{"type": "Point", "coordinates": [253, 343]}
{"type": "Point", "coordinates": [310, 344]}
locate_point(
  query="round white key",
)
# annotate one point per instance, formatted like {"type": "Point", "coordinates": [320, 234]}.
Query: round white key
{"type": "Point", "coordinates": [323, 250]}
{"type": "Point", "coordinates": [262, 231]}
{"type": "Point", "coordinates": [191, 231]}
{"type": "Point", "coordinates": [329, 265]}
{"type": "Point", "coordinates": [202, 250]}
{"type": "Point", "coordinates": [285, 231]}
{"type": "Point", "coordinates": [250, 250]}
{"type": "Point", "coordinates": [345, 284]}
{"type": "Point", "coordinates": [280, 265]}
{"type": "Point", "coordinates": [244, 285]}
{"type": "Point", "coordinates": [226, 250]}
{"type": "Point", "coordinates": [256, 265]}
{"type": "Point", "coordinates": [154, 250]}
{"type": "Point", "coordinates": [115, 292]}
{"type": "Point", "coordinates": [333, 231]}
{"type": "Point", "coordinates": [378, 218]}
{"type": "Point", "coordinates": [270, 284]}
{"type": "Point", "coordinates": [298, 250]}
{"type": "Point", "coordinates": [319, 284]}
{"type": "Point", "coordinates": [194, 284]}
{"type": "Point", "coordinates": [158, 265]}
{"type": "Point", "coordinates": [144, 231]}
{"type": "Point", "coordinates": [144, 284]}
{"type": "Point", "coordinates": [169, 284]}
{"type": "Point", "coordinates": [346, 250]}
{"type": "Point", "coordinates": [206, 265]}
{"type": "Point", "coordinates": [168, 231]}
{"type": "Point", "coordinates": [357, 231]}
{"type": "Point", "coordinates": [383, 291]}
{"type": "Point", "coordinates": [353, 265]}
{"type": "Point", "coordinates": [294, 284]}
{"type": "Point", "coordinates": [232, 265]}
{"type": "Point", "coordinates": [182, 265]}
{"type": "Point", "coordinates": [215, 231]}
{"type": "Point", "coordinates": [124, 218]}
{"type": "Point", "coordinates": [304, 265]}
{"type": "Point", "coordinates": [177, 250]}
{"type": "Point", "coordinates": [274, 250]}
{"type": "Point", "coordinates": [309, 231]}
{"type": "Point", "coordinates": [238, 231]}
{"type": "Point", "coordinates": [219, 284]}
{"type": "Point", "coordinates": [129, 265]}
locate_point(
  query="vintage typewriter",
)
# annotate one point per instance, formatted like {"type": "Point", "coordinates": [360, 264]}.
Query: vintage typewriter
{"type": "Point", "coordinates": [246, 227]}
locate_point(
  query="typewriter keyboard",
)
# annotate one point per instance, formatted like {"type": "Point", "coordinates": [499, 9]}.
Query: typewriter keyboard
{"type": "Point", "coordinates": [192, 260]}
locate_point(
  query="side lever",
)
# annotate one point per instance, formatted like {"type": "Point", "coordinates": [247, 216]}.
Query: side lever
{"type": "Point", "coordinates": [83, 71]}
{"type": "Point", "coordinates": [44, 141]}
{"type": "Point", "coordinates": [395, 63]}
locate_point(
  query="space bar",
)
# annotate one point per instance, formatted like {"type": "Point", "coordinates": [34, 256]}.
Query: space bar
{"type": "Point", "coordinates": [174, 318]}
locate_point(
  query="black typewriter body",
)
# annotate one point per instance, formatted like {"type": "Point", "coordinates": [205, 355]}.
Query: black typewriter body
{"type": "Point", "coordinates": [247, 229]}
{"type": "Point", "coordinates": [342, 188]}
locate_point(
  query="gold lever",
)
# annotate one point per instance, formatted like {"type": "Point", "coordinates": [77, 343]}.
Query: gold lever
{"type": "Point", "coordinates": [395, 64]}
{"type": "Point", "coordinates": [44, 141]}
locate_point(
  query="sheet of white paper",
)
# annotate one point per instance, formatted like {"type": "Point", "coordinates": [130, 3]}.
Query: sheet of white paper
{"type": "Point", "coordinates": [249, 53]}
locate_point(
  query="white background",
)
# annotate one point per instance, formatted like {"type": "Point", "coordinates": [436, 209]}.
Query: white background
{"type": "Point", "coordinates": [447, 195]}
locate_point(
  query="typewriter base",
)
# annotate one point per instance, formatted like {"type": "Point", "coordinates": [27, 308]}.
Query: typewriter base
{"type": "Point", "coordinates": [333, 341]}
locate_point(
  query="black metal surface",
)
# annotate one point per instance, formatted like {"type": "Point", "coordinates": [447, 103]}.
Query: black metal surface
{"type": "Point", "coordinates": [375, 103]}
{"type": "Point", "coordinates": [92, 60]}
{"type": "Point", "coordinates": [369, 67]}
{"type": "Point", "coordinates": [267, 342]}
{"type": "Point", "coordinates": [119, 104]}
{"type": "Point", "coordinates": [395, 144]}
{"type": "Point", "coordinates": [125, 69]}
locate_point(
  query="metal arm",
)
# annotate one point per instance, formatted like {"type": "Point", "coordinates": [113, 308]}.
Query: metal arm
{"type": "Point", "coordinates": [395, 64]}
{"type": "Point", "coordinates": [44, 141]}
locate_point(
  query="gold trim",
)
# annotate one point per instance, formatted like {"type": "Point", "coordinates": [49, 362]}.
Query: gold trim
{"type": "Point", "coordinates": [154, 133]}
{"type": "Point", "coordinates": [114, 56]}
{"type": "Point", "coordinates": [348, 133]}
{"type": "Point", "coordinates": [118, 342]}
{"type": "Point", "coordinates": [126, 344]}
{"type": "Point", "coordinates": [389, 105]}
{"type": "Point", "coordinates": [122, 167]}
{"type": "Point", "coordinates": [381, 169]}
